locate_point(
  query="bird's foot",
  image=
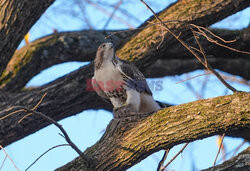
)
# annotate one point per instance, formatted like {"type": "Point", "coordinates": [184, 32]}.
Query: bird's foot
{"type": "Point", "coordinates": [124, 110]}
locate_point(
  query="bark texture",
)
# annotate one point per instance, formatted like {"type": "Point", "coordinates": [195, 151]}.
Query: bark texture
{"type": "Point", "coordinates": [16, 19]}
{"type": "Point", "coordinates": [62, 100]}
{"type": "Point", "coordinates": [51, 50]}
{"type": "Point", "coordinates": [68, 96]}
{"type": "Point", "coordinates": [130, 139]}
{"type": "Point", "coordinates": [81, 46]}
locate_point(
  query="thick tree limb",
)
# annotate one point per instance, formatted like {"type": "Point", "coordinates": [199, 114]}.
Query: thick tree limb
{"type": "Point", "coordinates": [51, 50]}
{"type": "Point", "coordinates": [62, 100]}
{"type": "Point", "coordinates": [16, 19]}
{"type": "Point", "coordinates": [81, 46]}
{"type": "Point", "coordinates": [131, 139]}
{"type": "Point", "coordinates": [68, 96]}
{"type": "Point", "coordinates": [238, 163]}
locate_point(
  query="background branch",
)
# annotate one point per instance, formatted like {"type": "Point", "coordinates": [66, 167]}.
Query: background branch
{"type": "Point", "coordinates": [17, 17]}
{"type": "Point", "coordinates": [237, 163]}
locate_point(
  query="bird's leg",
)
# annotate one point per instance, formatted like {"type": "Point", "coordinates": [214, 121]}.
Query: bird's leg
{"type": "Point", "coordinates": [132, 104]}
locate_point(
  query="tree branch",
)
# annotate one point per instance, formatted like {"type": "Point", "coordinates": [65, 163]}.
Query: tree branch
{"type": "Point", "coordinates": [65, 97]}
{"type": "Point", "coordinates": [16, 19]}
{"type": "Point", "coordinates": [237, 163]}
{"type": "Point", "coordinates": [180, 61]}
{"type": "Point", "coordinates": [51, 50]}
{"type": "Point", "coordinates": [68, 95]}
{"type": "Point", "coordinates": [81, 46]}
{"type": "Point", "coordinates": [129, 140]}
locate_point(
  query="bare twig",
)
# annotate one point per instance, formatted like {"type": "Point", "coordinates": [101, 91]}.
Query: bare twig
{"type": "Point", "coordinates": [103, 10]}
{"type": "Point", "coordinates": [174, 157]}
{"type": "Point", "coordinates": [235, 79]}
{"type": "Point", "coordinates": [201, 48]}
{"type": "Point", "coordinates": [160, 165]}
{"type": "Point", "coordinates": [25, 116]}
{"type": "Point", "coordinates": [62, 130]}
{"type": "Point", "coordinates": [33, 111]}
{"type": "Point", "coordinates": [34, 108]}
{"type": "Point", "coordinates": [195, 92]}
{"type": "Point", "coordinates": [190, 50]}
{"type": "Point", "coordinates": [112, 14]}
{"type": "Point", "coordinates": [223, 135]}
{"type": "Point", "coordinates": [12, 113]}
{"type": "Point", "coordinates": [84, 13]}
{"type": "Point", "coordinates": [216, 42]}
{"type": "Point", "coordinates": [61, 145]}
{"type": "Point", "coordinates": [1, 147]}
{"type": "Point", "coordinates": [40, 101]}
{"type": "Point", "coordinates": [214, 35]}
{"type": "Point", "coordinates": [3, 162]}
{"type": "Point", "coordinates": [236, 150]}
{"type": "Point", "coordinates": [192, 78]}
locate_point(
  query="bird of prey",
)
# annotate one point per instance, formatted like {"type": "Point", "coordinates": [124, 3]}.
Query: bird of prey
{"type": "Point", "coordinates": [121, 82]}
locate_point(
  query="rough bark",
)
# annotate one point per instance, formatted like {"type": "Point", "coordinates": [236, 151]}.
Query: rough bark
{"type": "Point", "coordinates": [81, 46]}
{"type": "Point", "coordinates": [130, 139]}
{"type": "Point", "coordinates": [68, 96]}
{"type": "Point", "coordinates": [51, 50]}
{"type": "Point", "coordinates": [62, 100]}
{"type": "Point", "coordinates": [237, 163]}
{"type": "Point", "coordinates": [16, 19]}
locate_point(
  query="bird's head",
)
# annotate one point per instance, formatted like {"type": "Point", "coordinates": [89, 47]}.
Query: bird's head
{"type": "Point", "coordinates": [105, 52]}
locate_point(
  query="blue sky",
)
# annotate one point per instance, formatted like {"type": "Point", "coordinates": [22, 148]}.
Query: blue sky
{"type": "Point", "coordinates": [88, 126]}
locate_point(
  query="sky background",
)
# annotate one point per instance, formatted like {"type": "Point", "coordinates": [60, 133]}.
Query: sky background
{"type": "Point", "coordinates": [88, 126]}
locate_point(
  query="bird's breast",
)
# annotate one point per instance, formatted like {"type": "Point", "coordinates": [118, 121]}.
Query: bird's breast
{"type": "Point", "coordinates": [108, 75]}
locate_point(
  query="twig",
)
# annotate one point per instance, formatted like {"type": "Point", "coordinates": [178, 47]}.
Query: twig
{"type": "Point", "coordinates": [33, 111]}
{"type": "Point", "coordinates": [218, 37]}
{"type": "Point", "coordinates": [192, 89]}
{"type": "Point", "coordinates": [44, 154]}
{"type": "Point", "coordinates": [1, 147]}
{"type": "Point", "coordinates": [12, 113]}
{"type": "Point", "coordinates": [3, 162]}
{"type": "Point", "coordinates": [193, 25]}
{"type": "Point", "coordinates": [201, 48]}
{"type": "Point", "coordinates": [140, 28]}
{"type": "Point", "coordinates": [34, 108]}
{"type": "Point", "coordinates": [25, 116]}
{"type": "Point", "coordinates": [160, 165]}
{"type": "Point", "coordinates": [236, 150]}
{"type": "Point", "coordinates": [223, 135]}
{"type": "Point", "coordinates": [235, 79]}
{"type": "Point", "coordinates": [192, 78]}
{"type": "Point", "coordinates": [103, 10]}
{"type": "Point", "coordinates": [82, 7]}
{"type": "Point", "coordinates": [61, 135]}
{"type": "Point", "coordinates": [112, 14]}
{"type": "Point", "coordinates": [40, 101]}
{"type": "Point", "coordinates": [190, 50]}
{"type": "Point", "coordinates": [216, 42]}
{"type": "Point", "coordinates": [175, 157]}
{"type": "Point", "coordinates": [63, 131]}
{"type": "Point", "coordinates": [22, 110]}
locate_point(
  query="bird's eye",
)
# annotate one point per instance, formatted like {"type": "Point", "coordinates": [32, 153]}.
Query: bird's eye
{"type": "Point", "coordinates": [103, 45]}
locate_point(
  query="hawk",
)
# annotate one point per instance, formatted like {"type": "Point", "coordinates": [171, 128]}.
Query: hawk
{"type": "Point", "coordinates": [121, 82]}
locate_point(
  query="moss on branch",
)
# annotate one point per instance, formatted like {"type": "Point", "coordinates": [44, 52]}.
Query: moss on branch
{"type": "Point", "coordinates": [129, 140]}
